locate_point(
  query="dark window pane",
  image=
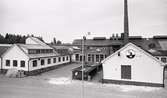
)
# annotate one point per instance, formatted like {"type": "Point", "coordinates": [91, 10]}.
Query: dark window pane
{"type": "Point", "coordinates": [163, 59]}
{"type": "Point", "coordinates": [7, 62]}
{"type": "Point", "coordinates": [54, 60]}
{"type": "Point", "coordinates": [34, 63]}
{"type": "Point", "coordinates": [42, 62]}
{"type": "Point", "coordinates": [59, 59]}
{"type": "Point", "coordinates": [22, 63]}
{"type": "Point", "coordinates": [49, 61]}
{"type": "Point", "coordinates": [15, 63]}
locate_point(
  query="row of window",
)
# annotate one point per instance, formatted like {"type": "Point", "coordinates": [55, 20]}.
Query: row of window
{"type": "Point", "coordinates": [15, 63]}
{"type": "Point", "coordinates": [38, 51]}
{"type": "Point", "coordinates": [91, 57]}
{"type": "Point", "coordinates": [163, 59]}
{"type": "Point", "coordinates": [42, 62]}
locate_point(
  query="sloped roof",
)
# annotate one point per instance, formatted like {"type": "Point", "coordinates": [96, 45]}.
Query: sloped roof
{"type": "Point", "coordinates": [42, 55]}
{"type": "Point", "coordinates": [91, 42]}
{"type": "Point", "coordinates": [62, 50]}
{"type": "Point", "coordinates": [137, 48]}
{"type": "Point", "coordinates": [4, 48]}
{"type": "Point", "coordinates": [163, 44]}
{"type": "Point", "coordinates": [38, 41]}
{"type": "Point", "coordinates": [34, 46]}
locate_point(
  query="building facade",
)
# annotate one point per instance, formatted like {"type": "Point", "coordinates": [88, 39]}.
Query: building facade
{"type": "Point", "coordinates": [133, 66]}
{"type": "Point", "coordinates": [33, 57]}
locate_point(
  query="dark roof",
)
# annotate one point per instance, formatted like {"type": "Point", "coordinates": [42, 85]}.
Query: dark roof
{"type": "Point", "coordinates": [62, 50]}
{"type": "Point", "coordinates": [160, 37]}
{"type": "Point", "coordinates": [91, 42]}
{"type": "Point", "coordinates": [3, 49]}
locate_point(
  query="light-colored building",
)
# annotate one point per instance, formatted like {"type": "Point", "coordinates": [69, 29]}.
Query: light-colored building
{"type": "Point", "coordinates": [33, 57]}
{"type": "Point", "coordinates": [133, 66]}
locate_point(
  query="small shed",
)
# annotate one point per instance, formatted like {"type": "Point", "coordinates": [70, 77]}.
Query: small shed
{"type": "Point", "coordinates": [132, 65]}
{"type": "Point", "coordinates": [89, 72]}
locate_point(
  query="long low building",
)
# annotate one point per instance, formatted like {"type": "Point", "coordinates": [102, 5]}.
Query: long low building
{"type": "Point", "coordinates": [33, 57]}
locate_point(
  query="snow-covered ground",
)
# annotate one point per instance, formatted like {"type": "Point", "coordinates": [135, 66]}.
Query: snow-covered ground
{"type": "Point", "coordinates": [58, 84]}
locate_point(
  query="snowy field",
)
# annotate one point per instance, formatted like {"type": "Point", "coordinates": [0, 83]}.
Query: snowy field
{"type": "Point", "coordinates": [58, 84]}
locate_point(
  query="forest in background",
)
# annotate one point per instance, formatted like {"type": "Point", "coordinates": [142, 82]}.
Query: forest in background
{"type": "Point", "coordinates": [12, 38]}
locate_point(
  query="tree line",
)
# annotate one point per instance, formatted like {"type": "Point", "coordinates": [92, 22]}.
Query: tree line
{"type": "Point", "coordinates": [12, 38]}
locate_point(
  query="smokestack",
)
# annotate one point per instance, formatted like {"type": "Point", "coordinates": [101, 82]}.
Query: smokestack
{"type": "Point", "coordinates": [126, 24]}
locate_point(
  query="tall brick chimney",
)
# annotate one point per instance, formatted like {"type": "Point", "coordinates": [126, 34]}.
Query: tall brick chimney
{"type": "Point", "coordinates": [126, 24]}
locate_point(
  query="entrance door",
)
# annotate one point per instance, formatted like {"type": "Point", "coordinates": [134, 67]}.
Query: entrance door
{"type": "Point", "coordinates": [125, 72]}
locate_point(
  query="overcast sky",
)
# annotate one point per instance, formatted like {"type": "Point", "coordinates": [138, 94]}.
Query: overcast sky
{"type": "Point", "coordinates": [70, 19]}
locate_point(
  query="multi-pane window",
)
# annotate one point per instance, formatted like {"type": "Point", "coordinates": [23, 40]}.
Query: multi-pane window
{"type": "Point", "coordinates": [54, 60]}
{"type": "Point", "coordinates": [89, 57]}
{"type": "Point", "coordinates": [67, 58]}
{"type": "Point", "coordinates": [97, 58]}
{"type": "Point", "coordinates": [49, 61]}
{"type": "Point", "coordinates": [63, 58]}
{"type": "Point", "coordinates": [7, 62]}
{"type": "Point", "coordinates": [14, 63]}
{"type": "Point", "coordinates": [38, 51]}
{"type": "Point", "coordinates": [59, 59]}
{"type": "Point", "coordinates": [42, 62]}
{"type": "Point", "coordinates": [77, 57]}
{"type": "Point", "coordinates": [101, 57]}
{"type": "Point", "coordinates": [34, 63]}
{"type": "Point", "coordinates": [163, 59]}
{"type": "Point", "coordinates": [22, 63]}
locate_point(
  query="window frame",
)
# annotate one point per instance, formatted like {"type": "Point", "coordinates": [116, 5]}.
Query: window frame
{"type": "Point", "coordinates": [8, 63]}
{"type": "Point", "coordinates": [22, 62]}
{"type": "Point", "coordinates": [15, 63]}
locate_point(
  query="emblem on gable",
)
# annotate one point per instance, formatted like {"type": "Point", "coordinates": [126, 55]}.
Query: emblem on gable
{"type": "Point", "coordinates": [130, 54]}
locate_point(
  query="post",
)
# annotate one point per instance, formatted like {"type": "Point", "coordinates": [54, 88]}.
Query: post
{"type": "Point", "coordinates": [83, 67]}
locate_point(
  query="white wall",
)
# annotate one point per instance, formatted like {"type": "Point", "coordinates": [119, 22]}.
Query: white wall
{"type": "Point", "coordinates": [15, 54]}
{"type": "Point", "coordinates": [39, 66]}
{"type": "Point", "coordinates": [143, 67]}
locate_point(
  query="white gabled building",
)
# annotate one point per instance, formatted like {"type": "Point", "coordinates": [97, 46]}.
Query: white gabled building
{"type": "Point", "coordinates": [33, 57]}
{"type": "Point", "coordinates": [133, 66]}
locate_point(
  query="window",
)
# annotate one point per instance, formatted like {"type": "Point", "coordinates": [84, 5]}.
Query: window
{"type": "Point", "coordinates": [125, 72]}
{"type": "Point", "coordinates": [63, 58]}
{"type": "Point", "coordinates": [163, 59]}
{"type": "Point", "coordinates": [14, 63]}
{"type": "Point", "coordinates": [22, 63]}
{"type": "Point", "coordinates": [101, 57]}
{"type": "Point", "coordinates": [67, 58]}
{"type": "Point", "coordinates": [89, 57]}
{"type": "Point", "coordinates": [93, 57]}
{"type": "Point", "coordinates": [77, 57]}
{"type": "Point", "coordinates": [54, 60]}
{"type": "Point", "coordinates": [97, 58]}
{"type": "Point", "coordinates": [34, 63]}
{"type": "Point", "coordinates": [49, 61]}
{"type": "Point", "coordinates": [7, 62]}
{"type": "Point", "coordinates": [42, 62]}
{"type": "Point", "coordinates": [59, 59]}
